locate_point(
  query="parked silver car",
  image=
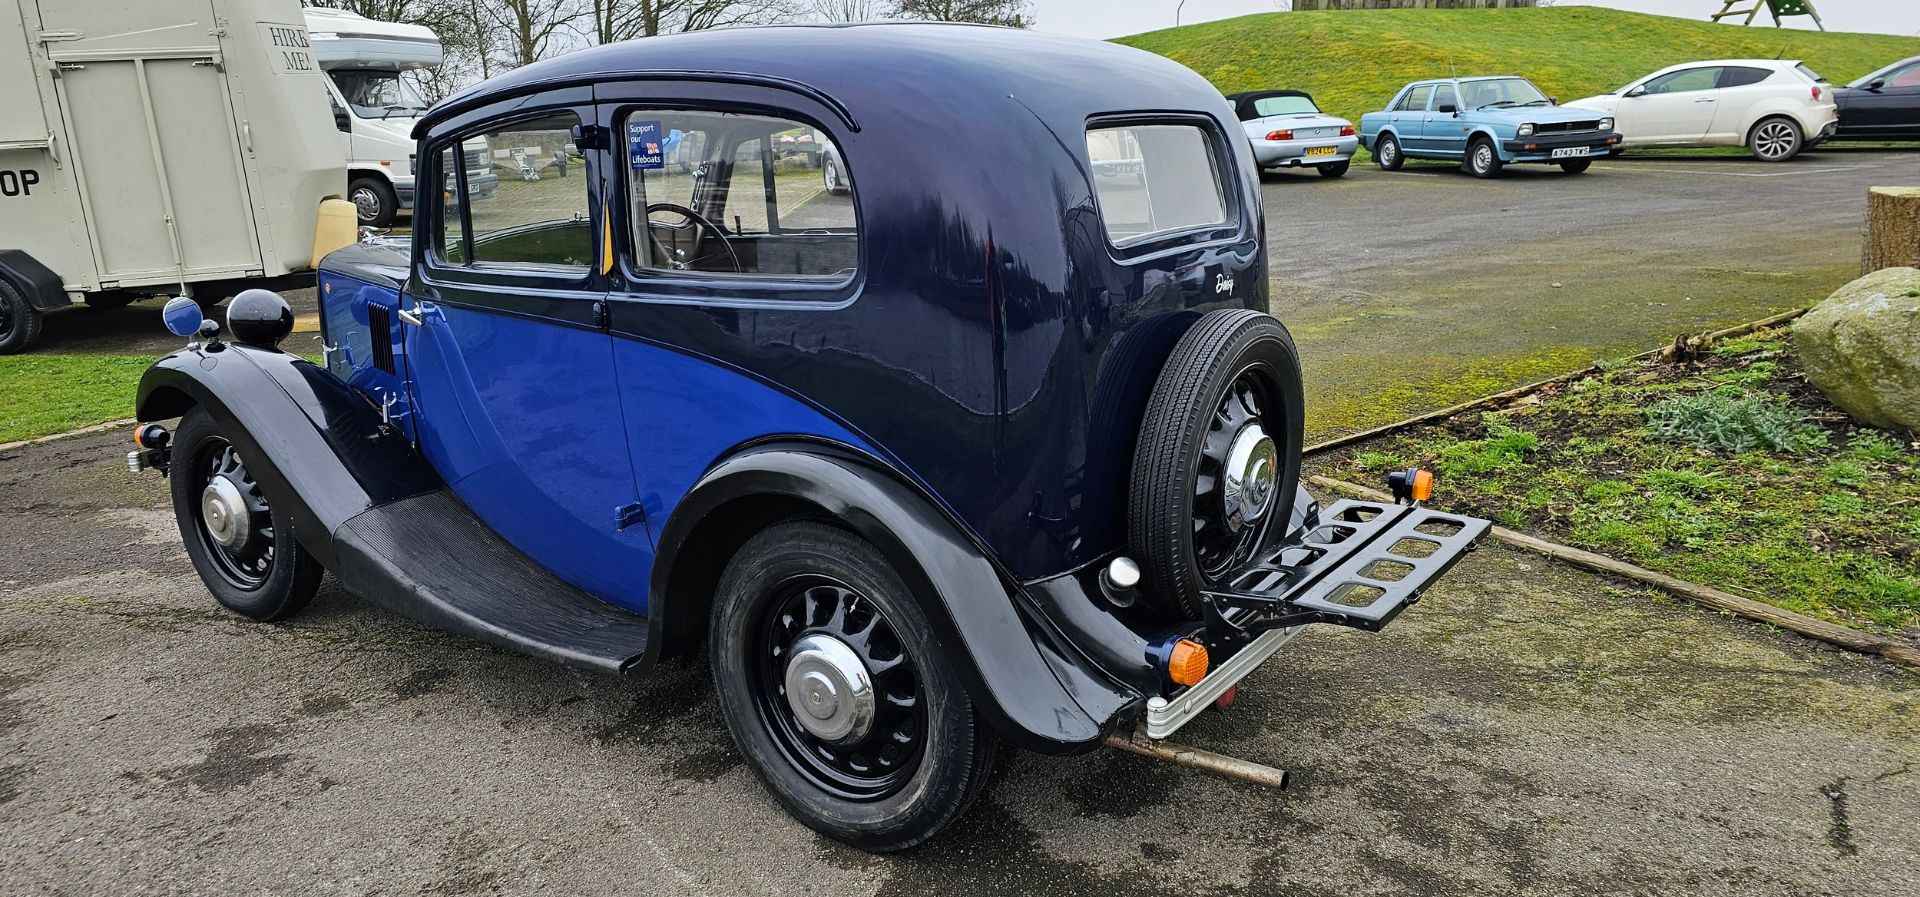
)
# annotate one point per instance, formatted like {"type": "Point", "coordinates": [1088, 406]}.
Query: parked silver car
{"type": "Point", "coordinates": [1289, 131]}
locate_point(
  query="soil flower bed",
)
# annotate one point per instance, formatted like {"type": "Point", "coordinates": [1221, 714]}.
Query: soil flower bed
{"type": "Point", "coordinates": [1728, 470]}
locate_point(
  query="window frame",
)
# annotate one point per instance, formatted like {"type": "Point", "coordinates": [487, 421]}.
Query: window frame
{"type": "Point", "coordinates": [1229, 231]}
{"type": "Point", "coordinates": [1406, 104]}
{"type": "Point", "coordinates": [434, 255]}
{"type": "Point", "coordinates": [1433, 103]}
{"type": "Point", "coordinates": [1647, 88]}
{"type": "Point", "coordinates": [1727, 73]}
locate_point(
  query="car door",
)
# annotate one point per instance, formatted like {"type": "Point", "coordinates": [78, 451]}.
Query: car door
{"type": "Point", "coordinates": [1409, 117]}
{"type": "Point", "coordinates": [1674, 108]}
{"type": "Point", "coordinates": [511, 365]}
{"type": "Point", "coordinates": [1441, 132]}
{"type": "Point", "coordinates": [1742, 87]}
{"type": "Point", "coordinates": [1891, 111]}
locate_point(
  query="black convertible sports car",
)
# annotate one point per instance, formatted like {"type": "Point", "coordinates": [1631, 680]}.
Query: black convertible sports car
{"type": "Point", "coordinates": [1884, 105]}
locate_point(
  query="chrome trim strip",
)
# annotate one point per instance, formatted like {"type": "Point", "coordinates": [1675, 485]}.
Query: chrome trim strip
{"type": "Point", "coordinates": [1165, 717]}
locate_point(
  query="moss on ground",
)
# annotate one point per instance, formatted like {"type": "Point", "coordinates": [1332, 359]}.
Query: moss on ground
{"type": "Point", "coordinates": [1631, 462]}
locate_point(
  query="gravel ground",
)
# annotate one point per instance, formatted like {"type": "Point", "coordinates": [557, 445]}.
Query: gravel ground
{"type": "Point", "coordinates": [1526, 730]}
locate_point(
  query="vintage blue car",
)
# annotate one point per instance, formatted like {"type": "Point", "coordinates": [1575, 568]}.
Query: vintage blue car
{"type": "Point", "coordinates": [998, 447]}
{"type": "Point", "coordinates": [1484, 124]}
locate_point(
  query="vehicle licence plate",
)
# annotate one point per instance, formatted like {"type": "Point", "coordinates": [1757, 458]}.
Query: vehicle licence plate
{"type": "Point", "coordinates": [1322, 150]}
{"type": "Point", "coordinates": [1571, 152]}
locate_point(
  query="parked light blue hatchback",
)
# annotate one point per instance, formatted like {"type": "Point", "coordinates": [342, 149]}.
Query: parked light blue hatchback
{"type": "Point", "coordinates": [1485, 124]}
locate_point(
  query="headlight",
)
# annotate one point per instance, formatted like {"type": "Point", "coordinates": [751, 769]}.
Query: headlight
{"type": "Point", "coordinates": [1526, 130]}
{"type": "Point", "coordinates": [1606, 124]}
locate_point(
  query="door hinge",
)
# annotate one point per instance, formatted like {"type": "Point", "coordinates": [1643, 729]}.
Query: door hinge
{"type": "Point", "coordinates": [588, 137]}
{"type": "Point", "coordinates": [627, 516]}
{"type": "Point", "coordinates": [600, 317]}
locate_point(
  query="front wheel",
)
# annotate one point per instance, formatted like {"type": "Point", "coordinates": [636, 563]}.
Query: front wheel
{"type": "Point", "coordinates": [374, 204]}
{"type": "Point", "coordinates": [837, 693]}
{"type": "Point", "coordinates": [243, 548]}
{"type": "Point", "coordinates": [1775, 140]}
{"type": "Point", "coordinates": [830, 176]}
{"type": "Point", "coordinates": [1483, 161]}
{"type": "Point", "coordinates": [1334, 169]}
{"type": "Point", "coordinates": [19, 320]}
{"type": "Point", "coordinates": [1387, 155]}
{"type": "Point", "coordinates": [1576, 166]}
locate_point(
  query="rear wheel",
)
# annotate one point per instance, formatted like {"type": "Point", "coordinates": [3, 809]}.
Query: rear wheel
{"type": "Point", "coordinates": [19, 320]}
{"type": "Point", "coordinates": [1334, 169]}
{"type": "Point", "coordinates": [242, 547]}
{"type": "Point", "coordinates": [1218, 457]}
{"type": "Point", "coordinates": [1387, 155]}
{"type": "Point", "coordinates": [830, 176]}
{"type": "Point", "coordinates": [1576, 166]}
{"type": "Point", "coordinates": [1483, 161]}
{"type": "Point", "coordinates": [838, 695]}
{"type": "Point", "coordinates": [1775, 140]}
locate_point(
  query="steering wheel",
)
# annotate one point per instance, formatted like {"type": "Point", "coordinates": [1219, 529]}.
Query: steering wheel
{"type": "Point", "coordinates": [699, 222]}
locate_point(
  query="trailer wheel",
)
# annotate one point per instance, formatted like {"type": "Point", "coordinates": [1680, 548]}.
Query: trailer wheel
{"type": "Point", "coordinates": [1218, 458]}
{"type": "Point", "coordinates": [19, 320]}
{"type": "Point", "coordinates": [374, 204]}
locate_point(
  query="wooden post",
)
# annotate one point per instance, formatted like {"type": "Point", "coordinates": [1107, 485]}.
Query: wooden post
{"type": "Point", "coordinates": [1893, 229]}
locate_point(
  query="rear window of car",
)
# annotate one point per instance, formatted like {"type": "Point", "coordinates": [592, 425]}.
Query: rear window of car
{"type": "Point", "coordinates": [1266, 106]}
{"type": "Point", "coordinates": [1810, 73]}
{"type": "Point", "coordinates": [1154, 180]}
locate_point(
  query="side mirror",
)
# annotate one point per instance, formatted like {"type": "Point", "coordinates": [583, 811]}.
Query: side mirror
{"type": "Point", "coordinates": [183, 316]}
{"type": "Point", "coordinates": [341, 120]}
{"type": "Point", "coordinates": [1876, 84]}
{"type": "Point", "coordinates": [1553, 101]}
{"type": "Point", "coordinates": [1636, 92]}
{"type": "Point", "coordinates": [1447, 108]}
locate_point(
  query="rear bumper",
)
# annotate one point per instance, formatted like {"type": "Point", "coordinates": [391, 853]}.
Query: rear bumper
{"type": "Point", "coordinates": [1293, 153]}
{"type": "Point", "coordinates": [1540, 147]}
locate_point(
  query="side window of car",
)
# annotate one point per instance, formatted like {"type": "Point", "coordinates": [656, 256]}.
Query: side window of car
{"type": "Point", "coordinates": [1445, 96]}
{"type": "Point", "coordinates": [524, 197]}
{"type": "Point", "coordinates": [1906, 77]}
{"type": "Point", "coordinates": [1416, 99]}
{"type": "Point", "coordinates": [1742, 76]}
{"type": "Point", "coordinates": [738, 194]}
{"type": "Point", "coordinates": [1686, 81]}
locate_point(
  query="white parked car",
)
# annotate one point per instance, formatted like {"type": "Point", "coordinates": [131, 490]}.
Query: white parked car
{"type": "Point", "coordinates": [1288, 131]}
{"type": "Point", "coordinates": [1773, 107]}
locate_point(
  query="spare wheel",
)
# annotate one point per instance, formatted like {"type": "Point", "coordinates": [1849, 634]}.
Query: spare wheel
{"type": "Point", "coordinates": [1218, 458]}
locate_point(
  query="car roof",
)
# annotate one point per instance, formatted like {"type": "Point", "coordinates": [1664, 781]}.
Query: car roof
{"type": "Point", "coordinates": [864, 68]}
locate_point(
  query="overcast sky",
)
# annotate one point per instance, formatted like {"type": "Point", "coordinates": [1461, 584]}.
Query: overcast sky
{"type": "Point", "coordinates": [1113, 18]}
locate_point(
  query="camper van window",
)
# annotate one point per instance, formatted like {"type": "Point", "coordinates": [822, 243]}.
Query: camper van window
{"type": "Point", "coordinates": [525, 197]}
{"type": "Point", "coordinates": [378, 93]}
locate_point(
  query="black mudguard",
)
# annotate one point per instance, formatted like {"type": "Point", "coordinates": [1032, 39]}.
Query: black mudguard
{"type": "Point", "coordinates": [35, 281]}
{"type": "Point", "coordinates": [1033, 687]}
{"type": "Point", "coordinates": [315, 446]}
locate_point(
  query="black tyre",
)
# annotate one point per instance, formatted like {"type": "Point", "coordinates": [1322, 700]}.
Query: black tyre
{"type": "Point", "coordinates": [807, 620]}
{"type": "Point", "coordinates": [374, 204]}
{"type": "Point", "coordinates": [1775, 140]}
{"type": "Point", "coordinates": [19, 320]}
{"type": "Point", "coordinates": [1334, 169]}
{"type": "Point", "coordinates": [1228, 400]}
{"type": "Point", "coordinates": [1387, 154]}
{"type": "Point", "coordinates": [1576, 166]}
{"type": "Point", "coordinates": [1482, 161]}
{"type": "Point", "coordinates": [244, 549]}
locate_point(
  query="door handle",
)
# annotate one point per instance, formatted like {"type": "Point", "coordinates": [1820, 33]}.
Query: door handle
{"type": "Point", "coordinates": [1704, 100]}
{"type": "Point", "coordinates": [411, 317]}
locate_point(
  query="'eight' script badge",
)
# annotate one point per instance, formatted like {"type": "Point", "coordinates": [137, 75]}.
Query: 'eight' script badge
{"type": "Point", "coordinates": [644, 141]}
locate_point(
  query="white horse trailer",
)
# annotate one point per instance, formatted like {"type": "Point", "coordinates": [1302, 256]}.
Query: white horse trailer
{"type": "Point", "coordinates": [160, 147]}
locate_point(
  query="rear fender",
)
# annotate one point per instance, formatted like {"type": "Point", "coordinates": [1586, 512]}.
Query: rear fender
{"type": "Point", "coordinates": [1035, 689]}
{"type": "Point", "coordinates": [35, 281]}
{"type": "Point", "coordinates": [317, 448]}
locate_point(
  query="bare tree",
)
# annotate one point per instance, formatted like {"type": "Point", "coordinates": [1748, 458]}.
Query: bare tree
{"type": "Point", "coordinates": [846, 10]}
{"type": "Point", "coordinates": [617, 20]}
{"type": "Point", "coordinates": [528, 28]}
{"type": "Point", "coordinates": [1008, 13]}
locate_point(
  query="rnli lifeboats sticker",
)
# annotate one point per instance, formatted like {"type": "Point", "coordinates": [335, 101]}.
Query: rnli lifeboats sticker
{"type": "Point", "coordinates": [288, 50]}
{"type": "Point", "coordinates": [645, 146]}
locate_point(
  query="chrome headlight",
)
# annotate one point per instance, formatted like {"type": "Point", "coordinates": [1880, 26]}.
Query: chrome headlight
{"type": "Point", "coordinates": [1606, 124]}
{"type": "Point", "coordinates": [1526, 130]}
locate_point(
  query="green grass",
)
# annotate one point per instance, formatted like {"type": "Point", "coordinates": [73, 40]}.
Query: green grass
{"type": "Point", "coordinates": [45, 394]}
{"type": "Point", "coordinates": [1353, 62]}
{"type": "Point", "coordinates": [1753, 484]}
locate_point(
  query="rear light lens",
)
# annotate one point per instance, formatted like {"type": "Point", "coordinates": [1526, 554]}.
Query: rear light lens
{"type": "Point", "coordinates": [1346, 130]}
{"type": "Point", "coordinates": [1187, 662]}
{"type": "Point", "coordinates": [1816, 91]}
{"type": "Point", "coordinates": [1279, 135]}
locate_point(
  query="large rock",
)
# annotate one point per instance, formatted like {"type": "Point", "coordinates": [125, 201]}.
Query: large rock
{"type": "Point", "coordinates": [1862, 348]}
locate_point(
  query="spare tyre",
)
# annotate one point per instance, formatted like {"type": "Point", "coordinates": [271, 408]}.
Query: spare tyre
{"type": "Point", "coordinates": [1217, 463]}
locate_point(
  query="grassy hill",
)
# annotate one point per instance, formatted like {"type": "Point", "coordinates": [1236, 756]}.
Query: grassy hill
{"type": "Point", "coordinates": [1352, 62]}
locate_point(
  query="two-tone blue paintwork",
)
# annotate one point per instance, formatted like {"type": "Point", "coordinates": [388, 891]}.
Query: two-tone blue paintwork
{"type": "Point", "coordinates": [1434, 132]}
{"type": "Point", "coordinates": [995, 349]}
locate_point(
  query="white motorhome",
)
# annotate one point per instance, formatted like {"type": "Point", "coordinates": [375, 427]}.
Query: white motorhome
{"type": "Point", "coordinates": [374, 106]}
{"type": "Point", "coordinates": [158, 147]}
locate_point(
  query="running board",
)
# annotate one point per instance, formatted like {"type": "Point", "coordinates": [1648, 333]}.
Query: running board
{"type": "Point", "coordinates": [1360, 566]}
{"type": "Point", "coordinates": [428, 558]}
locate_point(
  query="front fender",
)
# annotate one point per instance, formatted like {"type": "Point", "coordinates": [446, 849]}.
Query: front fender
{"type": "Point", "coordinates": [1031, 685]}
{"type": "Point", "coordinates": [316, 447]}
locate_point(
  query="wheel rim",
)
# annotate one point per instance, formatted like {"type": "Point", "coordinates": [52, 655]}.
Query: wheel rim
{"type": "Point", "coordinates": [366, 203]}
{"type": "Point", "coordinates": [6, 318]}
{"type": "Point", "coordinates": [1238, 481]}
{"type": "Point", "coordinates": [837, 691]}
{"type": "Point", "coordinates": [232, 518]}
{"type": "Point", "coordinates": [1775, 140]}
{"type": "Point", "coordinates": [1389, 150]}
{"type": "Point", "coordinates": [1483, 158]}
{"type": "Point", "coordinates": [827, 174]}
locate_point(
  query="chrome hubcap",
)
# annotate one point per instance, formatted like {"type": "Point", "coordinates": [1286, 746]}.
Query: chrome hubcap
{"type": "Point", "coordinates": [367, 203]}
{"type": "Point", "coordinates": [224, 511]}
{"type": "Point", "coordinates": [829, 689]}
{"type": "Point", "coordinates": [1252, 473]}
